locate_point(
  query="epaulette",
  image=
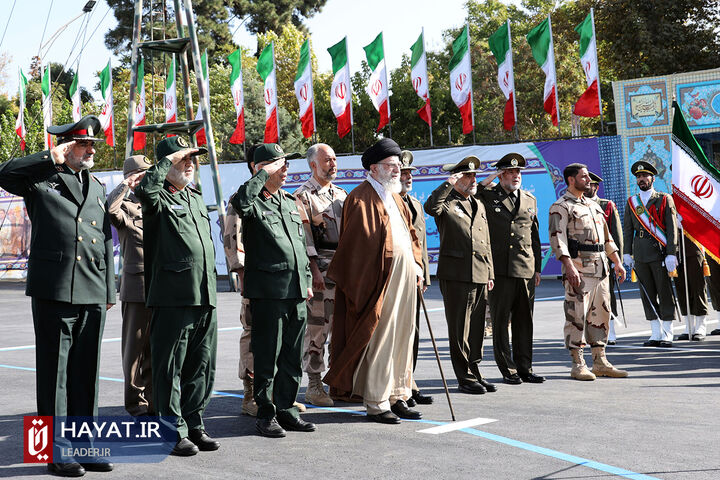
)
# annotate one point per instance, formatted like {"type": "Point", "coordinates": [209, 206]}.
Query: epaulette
{"type": "Point", "coordinates": [194, 190]}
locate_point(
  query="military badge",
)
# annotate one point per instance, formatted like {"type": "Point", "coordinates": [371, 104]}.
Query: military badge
{"type": "Point", "coordinates": [639, 210]}
{"type": "Point", "coordinates": [497, 210]}
{"type": "Point", "coordinates": [90, 131]}
{"type": "Point", "coordinates": [181, 141]}
{"type": "Point", "coordinates": [514, 162]}
{"type": "Point", "coordinates": [278, 149]}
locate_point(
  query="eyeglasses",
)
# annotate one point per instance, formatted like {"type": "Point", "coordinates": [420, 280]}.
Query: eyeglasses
{"type": "Point", "coordinates": [392, 165]}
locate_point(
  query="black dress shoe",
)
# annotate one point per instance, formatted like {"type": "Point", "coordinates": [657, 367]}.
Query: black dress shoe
{"type": "Point", "coordinates": [401, 409]}
{"type": "Point", "coordinates": [269, 427]}
{"type": "Point", "coordinates": [72, 469]}
{"type": "Point", "coordinates": [513, 379]}
{"type": "Point", "coordinates": [665, 344]}
{"type": "Point", "coordinates": [199, 437]}
{"type": "Point", "coordinates": [97, 465]}
{"type": "Point", "coordinates": [487, 385]}
{"type": "Point", "coordinates": [411, 402]}
{"type": "Point", "coordinates": [683, 336]}
{"type": "Point", "coordinates": [295, 424]}
{"type": "Point", "coordinates": [531, 378]}
{"type": "Point", "coordinates": [651, 343]}
{"type": "Point", "coordinates": [420, 399]}
{"type": "Point", "coordinates": [385, 417]}
{"type": "Point", "coordinates": [715, 332]}
{"type": "Point", "coordinates": [474, 388]}
{"type": "Point", "coordinates": [698, 337]}
{"type": "Point", "coordinates": [184, 448]}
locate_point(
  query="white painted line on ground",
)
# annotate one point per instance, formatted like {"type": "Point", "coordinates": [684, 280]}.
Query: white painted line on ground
{"type": "Point", "coordinates": [450, 427]}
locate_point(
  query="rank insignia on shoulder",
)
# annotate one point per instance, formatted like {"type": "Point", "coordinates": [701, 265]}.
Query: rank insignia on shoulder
{"type": "Point", "coordinates": [172, 189]}
{"type": "Point", "coordinates": [266, 194]}
{"type": "Point", "coordinates": [59, 168]}
{"type": "Point", "coordinates": [53, 185]}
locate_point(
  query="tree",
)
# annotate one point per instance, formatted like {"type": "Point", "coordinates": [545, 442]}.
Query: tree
{"type": "Point", "coordinates": [269, 15]}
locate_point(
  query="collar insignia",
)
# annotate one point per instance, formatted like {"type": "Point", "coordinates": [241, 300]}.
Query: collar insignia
{"type": "Point", "coordinates": [266, 194]}
{"type": "Point", "coordinates": [172, 189]}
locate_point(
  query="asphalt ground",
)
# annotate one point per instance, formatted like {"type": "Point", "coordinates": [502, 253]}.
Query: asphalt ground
{"type": "Point", "coordinates": [660, 422]}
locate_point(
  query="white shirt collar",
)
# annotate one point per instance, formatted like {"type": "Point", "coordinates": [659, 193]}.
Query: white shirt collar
{"type": "Point", "coordinates": [645, 196]}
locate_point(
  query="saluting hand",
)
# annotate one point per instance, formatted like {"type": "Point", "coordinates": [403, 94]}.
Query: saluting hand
{"type": "Point", "coordinates": [273, 167]}
{"type": "Point", "coordinates": [59, 152]}
{"type": "Point", "coordinates": [452, 179]}
{"type": "Point", "coordinates": [180, 155]}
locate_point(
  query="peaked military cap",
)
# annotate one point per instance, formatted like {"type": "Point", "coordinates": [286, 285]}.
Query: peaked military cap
{"type": "Point", "coordinates": [511, 160]}
{"type": "Point", "coordinates": [83, 129]}
{"type": "Point", "coordinates": [135, 163]}
{"type": "Point", "coordinates": [406, 159]}
{"type": "Point", "coordinates": [170, 145]}
{"type": "Point", "coordinates": [468, 164]}
{"type": "Point", "coordinates": [595, 178]}
{"type": "Point", "coordinates": [643, 167]}
{"type": "Point", "coordinates": [269, 152]}
{"type": "Point", "coordinates": [383, 148]}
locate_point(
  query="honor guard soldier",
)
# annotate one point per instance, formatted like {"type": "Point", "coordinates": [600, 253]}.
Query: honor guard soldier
{"type": "Point", "coordinates": [517, 261]}
{"type": "Point", "coordinates": [581, 241]}
{"type": "Point", "coordinates": [465, 269]}
{"type": "Point", "coordinates": [320, 203]}
{"type": "Point", "coordinates": [180, 288]}
{"type": "Point", "coordinates": [612, 218]}
{"type": "Point", "coordinates": [277, 282]}
{"type": "Point", "coordinates": [713, 283]}
{"type": "Point", "coordinates": [71, 275]}
{"type": "Point", "coordinates": [692, 263]}
{"type": "Point", "coordinates": [650, 239]}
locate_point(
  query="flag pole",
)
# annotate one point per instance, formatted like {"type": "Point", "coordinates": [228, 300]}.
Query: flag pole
{"type": "Point", "coordinates": [387, 87]}
{"type": "Point", "coordinates": [472, 103]}
{"type": "Point", "coordinates": [427, 77]}
{"type": "Point", "coordinates": [352, 121]}
{"type": "Point", "coordinates": [597, 73]}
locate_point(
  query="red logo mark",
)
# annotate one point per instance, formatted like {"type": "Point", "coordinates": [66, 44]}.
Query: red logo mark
{"type": "Point", "coordinates": [38, 445]}
{"type": "Point", "coordinates": [376, 87]}
{"type": "Point", "coordinates": [340, 91]}
{"type": "Point", "coordinates": [506, 79]}
{"type": "Point", "coordinates": [268, 96]}
{"type": "Point", "coordinates": [237, 96]}
{"type": "Point", "coordinates": [460, 81]}
{"type": "Point", "coordinates": [304, 92]}
{"type": "Point", "coordinates": [417, 81]}
{"type": "Point", "coordinates": [702, 188]}
{"type": "Point", "coordinates": [588, 68]}
{"type": "Point", "coordinates": [169, 104]}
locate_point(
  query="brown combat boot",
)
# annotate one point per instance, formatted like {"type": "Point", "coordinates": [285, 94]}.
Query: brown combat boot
{"type": "Point", "coordinates": [249, 407]}
{"type": "Point", "coordinates": [579, 369]}
{"type": "Point", "coordinates": [315, 393]}
{"type": "Point", "coordinates": [602, 368]}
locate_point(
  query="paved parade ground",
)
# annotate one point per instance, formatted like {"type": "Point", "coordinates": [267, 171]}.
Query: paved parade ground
{"type": "Point", "coordinates": [660, 422]}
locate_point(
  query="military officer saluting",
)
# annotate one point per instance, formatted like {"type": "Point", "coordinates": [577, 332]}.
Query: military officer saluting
{"type": "Point", "coordinates": [650, 238]}
{"type": "Point", "coordinates": [70, 277]}
{"type": "Point", "coordinates": [517, 261]}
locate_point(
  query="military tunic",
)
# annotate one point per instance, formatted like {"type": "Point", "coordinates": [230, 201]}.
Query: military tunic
{"type": "Point", "coordinates": [587, 307]}
{"type": "Point", "coordinates": [180, 287]}
{"type": "Point", "coordinates": [277, 278]}
{"type": "Point", "coordinates": [696, 279]}
{"type": "Point", "coordinates": [321, 212]}
{"type": "Point", "coordinates": [71, 278]}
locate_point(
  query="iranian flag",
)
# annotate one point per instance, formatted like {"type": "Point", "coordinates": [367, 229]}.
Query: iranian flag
{"type": "Point", "coordinates": [46, 87]}
{"type": "Point", "coordinates": [171, 94]}
{"type": "Point", "coordinates": [500, 46]}
{"type": "Point", "coordinates": [541, 43]}
{"type": "Point", "coordinates": [139, 138]}
{"type": "Point", "coordinates": [340, 91]}
{"type": "Point", "coordinates": [236, 88]}
{"type": "Point", "coordinates": [266, 68]}
{"type": "Point", "coordinates": [696, 187]}
{"type": "Point", "coordinates": [419, 77]}
{"type": "Point", "coordinates": [589, 103]}
{"type": "Point", "coordinates": [200, 135]}
{"type": "Point", "coordinates": [20, 122]}
{"type": "Point", "coordinates": [461, 79]}
{"type": "Point", "coordinates": [304, 91]}
{"type": "Point", "coordinates": [106, 115]}
{"type": "Point", "coordinates": [377, 83]}
{"type": "Point", "coordinates": [75, 98]}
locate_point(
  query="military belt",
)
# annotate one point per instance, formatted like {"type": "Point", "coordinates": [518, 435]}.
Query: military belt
{"type": "Point", "coordinates": [591, 248]}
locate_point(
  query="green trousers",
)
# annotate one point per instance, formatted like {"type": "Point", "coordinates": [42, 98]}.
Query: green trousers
{"type": "Point", "coordinates": [183, 342]}
{"type": "Point", "coordinates": [277, 345]}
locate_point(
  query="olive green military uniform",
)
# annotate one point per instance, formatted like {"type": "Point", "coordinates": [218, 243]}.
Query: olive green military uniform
{"type": "Point", "coordinates": [464, 269]}
{"type": "Point", "coordinates": [612, 218]}
{"type": "Point", "coordinates": [713, 283]}
{"type": "Point", "coordinates": [696, 279]}
{"type": "Point", "coordinates": [71, 278]}
{"type": "Point", "coordinates": [515, 241]}
{"type": "Point", "coordinates": [180, 288]}
{"type": "Point", "coordinates": [277, 278]}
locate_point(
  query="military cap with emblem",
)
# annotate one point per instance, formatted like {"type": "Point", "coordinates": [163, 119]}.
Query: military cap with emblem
{"type": "Point", "coordinates": [135, 163]}
{"type": "Point", "coordinates": [269, 152]}
{"type": "Point", "coordinates": [83, 129]}
{"type": "Point", "coordinates": [382, 149]}
{"type": "Point", "coordinates": [595, 178]}
{"type": "Point", "coordinates": [406, 159]}
{"type": "Point", "coordinates": [643, 167]}
{"type": "Point", "coordinates": [468, 164]}
{"type": "Point", "coordinates": [170, 145]}
{"type": "Point", "coordinates": [511, 160]}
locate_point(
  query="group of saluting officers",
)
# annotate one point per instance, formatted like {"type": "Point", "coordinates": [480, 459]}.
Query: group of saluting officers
{"type": "Point", "coordinates": [315, 262]}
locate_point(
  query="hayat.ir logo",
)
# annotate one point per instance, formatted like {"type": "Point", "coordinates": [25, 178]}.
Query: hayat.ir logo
{"type": "Point", "coordinates": [38, 447]}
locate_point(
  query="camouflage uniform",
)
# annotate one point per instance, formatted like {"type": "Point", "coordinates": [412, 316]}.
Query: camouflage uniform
{"type": "Point", "coordinates": [321, 210]}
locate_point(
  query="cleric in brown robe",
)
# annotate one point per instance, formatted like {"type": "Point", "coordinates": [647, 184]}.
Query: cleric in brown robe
{"type": "Point", "coordinates": [377, 268]}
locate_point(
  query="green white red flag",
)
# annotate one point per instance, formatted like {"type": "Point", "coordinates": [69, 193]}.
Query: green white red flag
{"type": "Point", "coordinates": [171, 94]}
{"type": "Point", "coordinates": [200, 135]}
{"type": "Point", "coordinates": [461, 79]}
{"type": "Point", "coordinates": [266, 68]}
{"type": "Point", "coordinates": [696, 187]}
{"type": "Point", "coordinates": [106, 115]}
{"type": "Point", "coordinates": [500, 45]}
{"type": "Point", "coordinates": [304, 91]}
{"type": "Point", "coordinates": [377, 86]}
{"type": "Point", "coordinates": [588, 105]}
{"type": "Point", "coordinates": [541, 43]}
{"type": "Point", "coordinates": [46, 88]}
{"type": "Point", "coordinates": [236, 88]}
{"type": "Point", "coordinates": [340, 91]}
{"type": "Point", "coordinates": [20, 122]}
{"type": "Point", "coordinates": [139, 138]}
{"type": "Point", "coordinates": [75, 98]}
{"type": "Point", "coordinates": [419, 77]}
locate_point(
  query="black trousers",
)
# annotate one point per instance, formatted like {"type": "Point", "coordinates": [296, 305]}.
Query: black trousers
{"type": "Point", "coordinates": [511, 303]}
{"type": "Point", "coordinates": [655, 280]}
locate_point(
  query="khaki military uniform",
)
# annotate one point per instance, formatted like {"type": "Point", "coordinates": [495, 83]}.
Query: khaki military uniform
{"type": "Point", "coordinates": [321, 212]}
{"type": "Point", "coordinates": [587, 307]}
{"type": "Point", "coordinates": [126, 215]}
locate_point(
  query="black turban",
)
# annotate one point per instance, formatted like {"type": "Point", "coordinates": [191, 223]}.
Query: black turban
{"type": "Point", "coordinates": [383, 149]}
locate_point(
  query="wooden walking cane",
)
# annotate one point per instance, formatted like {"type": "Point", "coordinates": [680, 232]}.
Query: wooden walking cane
{"type": "Point", "coordinates": [437, 355]}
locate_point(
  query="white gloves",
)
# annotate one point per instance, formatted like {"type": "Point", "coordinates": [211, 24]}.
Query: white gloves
{"type": "Point", "coordinates": [628, 260]}
{"type": "Point", "coordinates": [671, 263]}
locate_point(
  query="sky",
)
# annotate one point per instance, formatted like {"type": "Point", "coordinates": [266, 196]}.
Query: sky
{"type": "Point", "coordinates": [400, 21]}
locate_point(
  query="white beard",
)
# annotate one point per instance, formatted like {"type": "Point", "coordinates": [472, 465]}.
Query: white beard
{"type": "Point", "coordinates": [389, 183]}
{"type": "Point", "coordinates": [87, 164]}
{"type": "Point", "coordinates": [176, 177]}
